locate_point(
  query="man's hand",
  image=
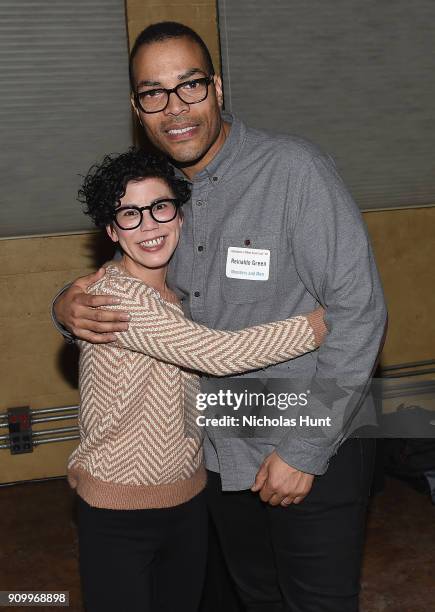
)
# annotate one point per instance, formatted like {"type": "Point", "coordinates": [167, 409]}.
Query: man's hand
{"type": "Point", "coordinates": [279, 483]}
{"type": "Point", "coordinates": [77, 311]}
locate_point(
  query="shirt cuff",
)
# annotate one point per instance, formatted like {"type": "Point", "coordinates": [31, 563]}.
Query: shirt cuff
{"type": "Point", "coordinates": [306, 457]}
{"type": "Point", "coordinates": [67, 336]}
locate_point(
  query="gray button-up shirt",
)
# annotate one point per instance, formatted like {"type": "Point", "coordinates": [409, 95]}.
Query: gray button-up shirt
{"type": "Point", "coordinates": [282, 195]}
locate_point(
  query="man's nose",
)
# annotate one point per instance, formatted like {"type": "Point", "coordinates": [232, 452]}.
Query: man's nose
{"type": "Point", "coordinates": [175, 105]}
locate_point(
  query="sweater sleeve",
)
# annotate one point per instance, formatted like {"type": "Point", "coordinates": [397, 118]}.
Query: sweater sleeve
{"type": "Point", "coordinates": [161, 330]}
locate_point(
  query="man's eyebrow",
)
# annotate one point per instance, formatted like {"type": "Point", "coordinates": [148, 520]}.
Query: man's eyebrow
{"type": "Point", "coordinates": [149, 83]}
{"type": "Point", "coordinates": [180, 77]}
{"type": "Point", "coordinates": [190, 73]}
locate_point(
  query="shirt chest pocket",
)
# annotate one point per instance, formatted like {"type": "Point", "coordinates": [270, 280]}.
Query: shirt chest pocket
{"type": "Point", "coordinates": [248, 265]}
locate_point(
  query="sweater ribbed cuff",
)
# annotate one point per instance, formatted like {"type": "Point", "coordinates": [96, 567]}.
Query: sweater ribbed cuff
{"type": "Point", "coordinates": [317, 323]}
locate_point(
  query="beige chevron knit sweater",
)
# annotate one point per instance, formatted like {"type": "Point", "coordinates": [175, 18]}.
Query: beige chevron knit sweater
{"type": "Point", "coordinates": [139, 443]}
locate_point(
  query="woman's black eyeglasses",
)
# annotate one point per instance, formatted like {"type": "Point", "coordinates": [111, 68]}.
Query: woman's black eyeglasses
{"type": "Point", "coordinates": [162, 211]}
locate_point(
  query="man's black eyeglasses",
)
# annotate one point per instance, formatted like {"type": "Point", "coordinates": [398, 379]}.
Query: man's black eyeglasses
{"type": "Point", "coordinates": [190, 92]}
{"type": "Point", "coordinates": [162, 211]}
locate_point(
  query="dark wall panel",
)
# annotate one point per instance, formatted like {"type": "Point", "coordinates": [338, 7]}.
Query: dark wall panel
{"type": "Point", "coordinates": [64, 102]}
{"type": "Point", "coordinates": [354, 76]}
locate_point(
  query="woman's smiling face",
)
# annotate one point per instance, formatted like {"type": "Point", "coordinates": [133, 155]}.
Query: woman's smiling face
{"type": "Point", "coordinates": [152, 244]}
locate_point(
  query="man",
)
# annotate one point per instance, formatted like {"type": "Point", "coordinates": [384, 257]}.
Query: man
{"type": "Point", "coordinates": [277, 200]}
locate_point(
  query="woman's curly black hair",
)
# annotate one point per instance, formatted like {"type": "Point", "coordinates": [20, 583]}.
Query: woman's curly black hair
{"type": "Point", "coordinates": [105, 183]}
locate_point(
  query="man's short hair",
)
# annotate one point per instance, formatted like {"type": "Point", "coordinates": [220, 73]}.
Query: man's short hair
{"type": "Point", "coordinates": [166, 30]}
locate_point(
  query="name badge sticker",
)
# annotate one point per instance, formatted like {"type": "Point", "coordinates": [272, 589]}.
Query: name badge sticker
{"type": "Point", "coordinates": [248, 264]}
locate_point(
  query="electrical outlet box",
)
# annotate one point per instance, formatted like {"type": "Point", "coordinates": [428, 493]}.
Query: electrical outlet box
{"type": "Point", "coordinates": [20, 430]}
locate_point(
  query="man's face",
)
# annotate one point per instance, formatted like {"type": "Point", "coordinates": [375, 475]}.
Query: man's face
{"type": "Point", "coordinates": [190, 134]}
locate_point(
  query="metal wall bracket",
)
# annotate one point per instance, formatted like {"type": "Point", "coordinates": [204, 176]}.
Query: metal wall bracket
{"type": "Point", "coordinates": [20, 430]}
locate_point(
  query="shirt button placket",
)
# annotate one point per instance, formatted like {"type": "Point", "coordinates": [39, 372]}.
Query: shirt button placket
{"type": "Point", "coordinates": [198, 276]}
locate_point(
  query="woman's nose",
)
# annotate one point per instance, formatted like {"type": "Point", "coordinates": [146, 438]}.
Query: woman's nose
{"type": "Point", "coordinates": [148, 223]}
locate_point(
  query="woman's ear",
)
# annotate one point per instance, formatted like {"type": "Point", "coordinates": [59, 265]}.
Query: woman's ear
{"type": "Point", "coordinates": [111, 232]}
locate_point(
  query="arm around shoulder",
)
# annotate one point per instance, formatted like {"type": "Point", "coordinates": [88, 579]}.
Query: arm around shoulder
{"type": "Point", "coordinates": [76, 313]}
{"type": "Point", "coordinates": [160, 330]}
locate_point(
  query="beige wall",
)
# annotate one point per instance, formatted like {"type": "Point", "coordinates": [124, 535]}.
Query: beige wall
{"type": "Point", "coordinates": [201, 16]}
{"type": "Point", "coordinates": [38, 369]}
{"type": "Point", "coordinates": [404, 245]}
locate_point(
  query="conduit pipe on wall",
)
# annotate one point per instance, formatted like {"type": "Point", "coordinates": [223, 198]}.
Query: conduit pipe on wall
{"type": "Point", "coordinates": [20, 420]}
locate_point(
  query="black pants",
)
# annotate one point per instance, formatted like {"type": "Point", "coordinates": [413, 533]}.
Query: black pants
{"type": "Point", "coordinates": [306, 557]}
{"type": "Point", "coordinates": [143, 560]}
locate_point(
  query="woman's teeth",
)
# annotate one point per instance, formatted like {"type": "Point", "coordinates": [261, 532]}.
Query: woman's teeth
{"type": "Point", "coordinates": [151, 243]}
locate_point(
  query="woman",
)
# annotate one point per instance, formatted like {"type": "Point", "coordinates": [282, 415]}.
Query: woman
{"type": "Point", "coordinates": [138, 470]}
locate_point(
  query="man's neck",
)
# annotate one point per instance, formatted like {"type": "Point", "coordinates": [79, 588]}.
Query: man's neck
{"type": "Point", "coordinates": [190, 170]}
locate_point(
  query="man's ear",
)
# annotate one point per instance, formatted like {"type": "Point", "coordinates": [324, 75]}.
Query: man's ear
{"type": "Point", "coordinates": [111, 232]}
{"type": "Point", "coordinates": [219, 90]}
